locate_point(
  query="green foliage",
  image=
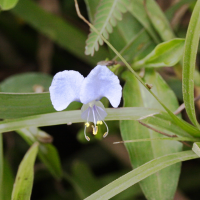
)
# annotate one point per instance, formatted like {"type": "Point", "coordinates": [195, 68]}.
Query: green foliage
{"type": "Point", "coordinates": [60, 31]}
{"type": "Point", "coordinates": [157, 186]}
{"type": "Point", "coordinates": [140, 173]}
{"type": "Point", "coordinates": [189, 59]}
{"type": "Point", "coordinates": [165, 54]}
{"type": "Point", "coordinates": [196, 148]}
{"type": "Point", "coordinates": [7, 4]}
{"type": "Point", "coordinates": [46, 152]}
{"type": "Point", "coordinates": [24, 179]}
{"type": "Point", "coordinates": [26, 83]}
{"type": "Point", "coordinates": [106, 15]}
{"type": "Point", "coordinates": [135, 30]}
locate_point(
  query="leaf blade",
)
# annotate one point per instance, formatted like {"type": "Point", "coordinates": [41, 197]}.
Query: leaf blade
{"type": "Point", "coordinates": [189, 59]}
{"type": "Point", "coordinates": [140, 173]}
{"type": "Point", "coordinates": [24, 179]}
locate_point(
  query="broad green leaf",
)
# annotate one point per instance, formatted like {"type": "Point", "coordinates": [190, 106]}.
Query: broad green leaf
{"type": "Point", "coordinates": [91, 8]}
{"type": "Point", "coordinates": [58, 30]}
{"type": "Point", "coordinates": [25, 174]}
{"type": "Point", "coordinates": [65, 117]}
{"type": "Point", "coordinates": [165, 54]}
{"type": "Point", "coordinates": [26, 104]}
{"type": "Point", "coordinates": [7, 4]}
{"type": "Point", "coordinates": [196, 148]}
{"type": "Point", "coordinates": [141, 173]}
{"type": "Point", "coordinates": [8, 181]}
{"type": "Point", "coordinates": [47, 152]}
{"type": "Point", "coordinates": [156, 186]}
{"type": "Point", "coordinates": [26, 82]}
{"type": "Point", "coordinates": [137, 9]}
{"type": "Point", "coordinates": [189, 60]}
{"type": "Point", "coordinates": [107, 14]}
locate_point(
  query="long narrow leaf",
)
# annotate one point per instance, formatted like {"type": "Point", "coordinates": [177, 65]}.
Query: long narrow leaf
{"type": "Point", "coordinates": [140, 173]}
{"type": "Point", "coordinates": [24, 179]}
{"type": "Point", "coordinates": [73, 117]}
{"type": "Point", "coordinates": [189, 60]}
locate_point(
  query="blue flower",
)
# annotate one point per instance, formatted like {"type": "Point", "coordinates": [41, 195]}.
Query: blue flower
{"type": "Point", "coordinates": [68, 86]}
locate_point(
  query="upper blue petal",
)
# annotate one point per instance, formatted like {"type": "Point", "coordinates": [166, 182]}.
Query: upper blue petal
{"type": "Point", "coordinates": [101, 82]}
{"type": "Point", "coordinates": [65, 88]}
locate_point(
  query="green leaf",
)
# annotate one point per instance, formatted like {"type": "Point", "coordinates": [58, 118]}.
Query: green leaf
{"type": "Point", "coordinates": [154, 187]}
{"type": "Point", "coordinates": [137, 9]}
{"type": "Point", "coordinates": [196, 148]}
{"type": "Point", "coordinates": [26, 104]}
{"type": "Point", "coordinates": [141, 173]}
{"type": "Point", "coordinates": [80, 173]}
{"type": "Point", "coordinates": [159, 20]}
{"type": "Point", "coordinates": [26, 82]}
{"type": "Point", "coordinates": [91, 6]}
{"type": "Point", "coordinates": [107, 14]}
{"type": "Point", "coordinates": [172, 10]}
{"type": "Point", "coordinates": [24, 179]}
{"type": "Point", "coordinates": [165, 54]}
{"type": "Point", "coordinates": [134, 39]}
{"type": "Point", "coordinates": [65, 117]}
{"type": "Point", "coordinates": [47, 152]}
{"type": "Point", "coordinates": [8, 181]}
{"type": "Point", "coordinates": [189, 60]}
{"type": "Point", "coordinates": [58, 30]}
{"type": "Point", "coordinates": [7, 4]}
{"type": "Point", "coordinates": [164, 123]}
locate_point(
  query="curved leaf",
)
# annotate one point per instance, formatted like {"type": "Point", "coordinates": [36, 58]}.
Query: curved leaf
{"type": "Point", "coordinates": [189, 60]}
{"type": "Point", "coordinates": [165, 54]}
{"type": "Point", "coordinates": [108, 12]}
{"type": "Point", "coordinates": [140, 173]}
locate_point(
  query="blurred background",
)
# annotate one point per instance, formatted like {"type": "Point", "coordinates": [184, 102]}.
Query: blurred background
{"type": "Point", "coordinates": [28, 44]}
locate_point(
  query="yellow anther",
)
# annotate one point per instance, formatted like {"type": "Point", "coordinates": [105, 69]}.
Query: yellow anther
{"type": "Point", "coordinates": [99, 122]}
{"type": "Point", "coordinates": [105, 134]}
{"type": "Point", "coordinates": [95, 129]}
{"type": "Point", "coordinates": [87, 124]}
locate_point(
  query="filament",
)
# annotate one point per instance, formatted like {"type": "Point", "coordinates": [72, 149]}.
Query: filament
{"type": "Point", "coordinates": [106, 133]}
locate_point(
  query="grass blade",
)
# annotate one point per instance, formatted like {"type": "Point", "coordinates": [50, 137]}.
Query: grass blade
{"type": "Point", "coordinates": [189, 62]}
{"type": "Point", "coordinates": [141, 173]}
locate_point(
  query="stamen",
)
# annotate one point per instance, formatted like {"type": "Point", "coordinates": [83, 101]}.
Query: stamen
{"type": "Point", "coordinates": [87, 125]}
{"type": "Point", "coordinates": [106, 133]}
{"type": "Point", "coordinates": [95, 129]}
{"type": "Point", "coordinates": [86, 137]}
{"type": "Point", "coordinates": [99, 122]}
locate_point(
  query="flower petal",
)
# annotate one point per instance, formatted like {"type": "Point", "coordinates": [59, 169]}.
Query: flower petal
{"type": "Point", "coordinates": [65, 88]}
{"type": "Point", "coordinates": [101, 82]}
{"type": "Point", "coordinates": [93, 112]}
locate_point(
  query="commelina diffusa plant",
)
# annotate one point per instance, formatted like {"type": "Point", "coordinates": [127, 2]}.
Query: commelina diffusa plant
{"type": "Point", "coordinates": [68, 86]}
{"type": "Point", "coordinates": [139, 40]}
